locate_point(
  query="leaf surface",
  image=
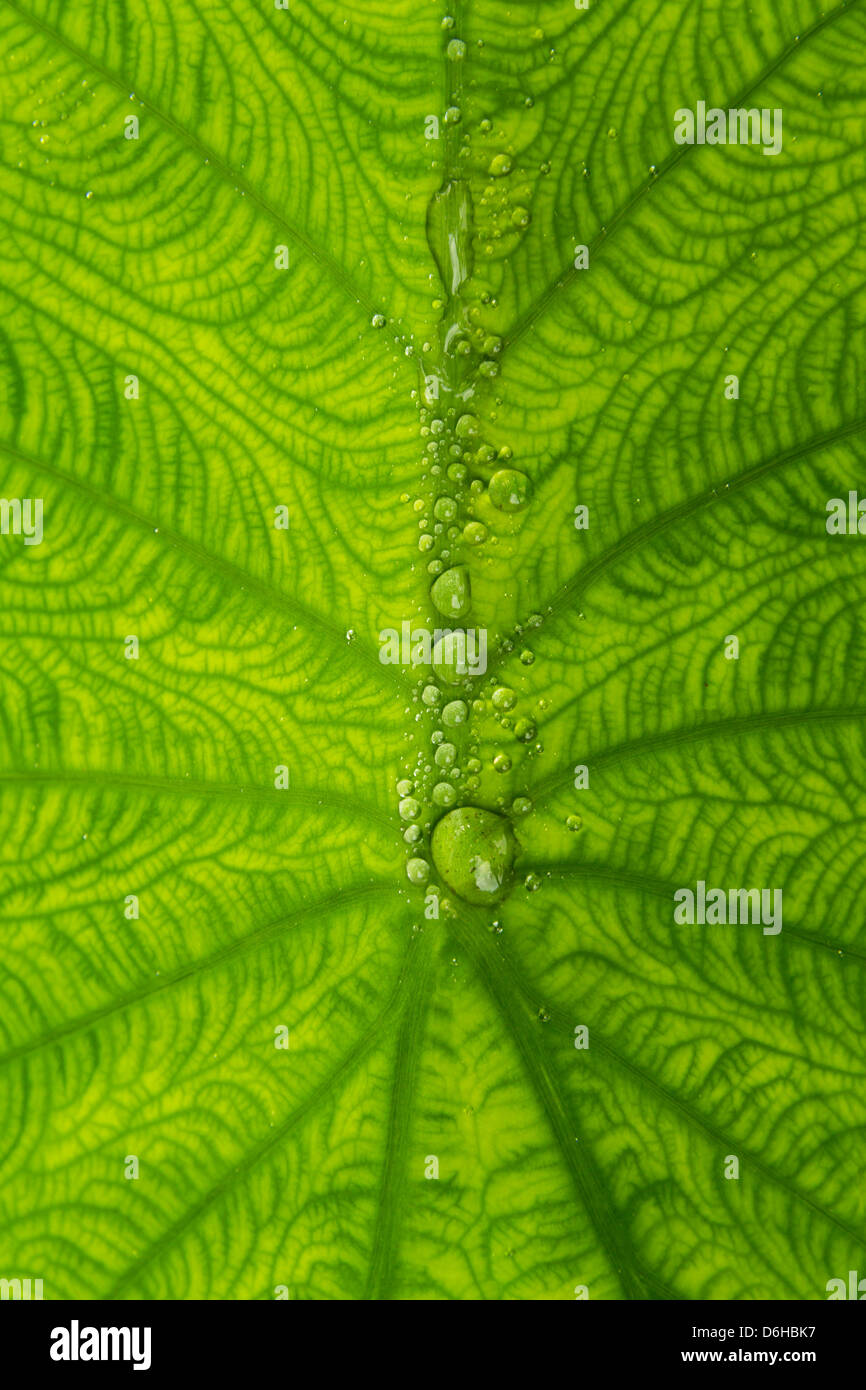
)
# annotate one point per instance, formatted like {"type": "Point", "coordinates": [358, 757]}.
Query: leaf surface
{"type": "Point", "coordinates": [413, 264]}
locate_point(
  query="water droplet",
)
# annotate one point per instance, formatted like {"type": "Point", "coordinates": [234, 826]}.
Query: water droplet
{"type": "Point", "coordinates": [445, 509]}
{"type": "Point", "coordinates": [417, 871]}
{"type": "Point", "coordinates": [431, 694]}
{"type": "Point", "coordinates": [444, 794]}
{"type": "Point", "coordinates": [412, 834]}
{"type": "Point", "coordinates": [504, 697]}
{"type": "Point", "coordinates": [451, 593]}
{"type": "Point", "coordinates": [473, 850]}
{"type": "Point", "coordinates": [574, 822]}
{"type": "Point", "coordinates": [456, 50]}
{"type": "Point", "coordinates": [409, 808]}
{"type": "Point", "coordinates": [378, 320]}
{"type": "Point", "coordinates": [502, 763]}
{"type": "Point", "coordinates": [445, 755]}
{"type": "Point", "coordinates": [525, 730]}
{"type": "Point", "coordinates": [405, 787]}
{"type": "Point", "coordinates": [521, 806]}
{"type": "Point", "coordinates": [527, 657]}
{"type": "Point", "coordinates": [509, 490]}
{"type": "Point", "coordinates": [532, 883]}
{"type": "Point", "coordinates": [500, 165]}
{"type": "Point", "coordinates": [455, 712]}
{"type": "Point", "coordinates": [453, 115]}
{"type": "Point", "coordinates": [543, 1015]}
{"type": "Point", "coordinates": [466, 427]}
{"type": "Point", "coordinates": [474, 533]}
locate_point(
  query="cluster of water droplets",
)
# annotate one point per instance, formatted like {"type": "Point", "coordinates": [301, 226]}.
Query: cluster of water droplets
{"type": "Point", "coordinates": [467, 480]}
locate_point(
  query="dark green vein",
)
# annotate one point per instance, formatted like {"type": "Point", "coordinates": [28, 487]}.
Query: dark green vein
{"type": "Point", "coordinates": [286, 604]}
{"type": "Point", "coordinates": [262, 936]}
{"type": "Point", "coordinates": [604, 237]}
{"type": "Point", "coordinates": [676, 738]}
{"type": "Point", "coordinates": [239, 1171]}
{"type": "Point", "coordinates": [469, 930]}
{"type": "Point", "coordinates": [392, 1198]}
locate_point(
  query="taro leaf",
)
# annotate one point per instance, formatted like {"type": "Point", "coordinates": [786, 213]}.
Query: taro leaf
{"type": "Point", "coordinates": [333, 267]}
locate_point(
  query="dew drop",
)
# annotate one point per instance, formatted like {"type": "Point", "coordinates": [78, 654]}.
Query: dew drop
{"type": "Point", "coordinates": [455, 712]}
{"type": "Point", "coordinates": [473, 850]}
{"type": "Point", "coordinates": [451, 592]}
{"type": "Point", "coordinates": [445, 755]}
{"type": "Point", "coordinates": [474, 533]}
{"type": "Point", "coordinates": [417, 871]}
{"type": "Point", "coordinates": [444, 794]}
{"type": "Point", "coordinates": [509, 490]}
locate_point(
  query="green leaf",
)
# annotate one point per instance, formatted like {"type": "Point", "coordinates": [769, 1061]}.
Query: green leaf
{"type": "Point", "coordinates": [245, 1053]}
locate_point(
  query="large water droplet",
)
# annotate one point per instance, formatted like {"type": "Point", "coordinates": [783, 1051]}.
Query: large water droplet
{"type": "Point", "coordinates": [509, 490]}
{"type": "Point", "coordinates": [451, 592]}
{"type": "Point", "coordinates": [473, 851]}
{"type": "Point", "coordinates": [454, 713]}
{"type": "Point", "coordinates": [445, 755]}
{"type": "Point", "coordinates": [417, 870]}
{"type": "Point", "coordinates": [449, 235]}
